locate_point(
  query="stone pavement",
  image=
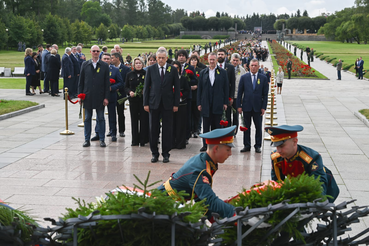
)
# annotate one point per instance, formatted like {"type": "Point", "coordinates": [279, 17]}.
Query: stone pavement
{"type": "Point", "coordinates": [41, 170]}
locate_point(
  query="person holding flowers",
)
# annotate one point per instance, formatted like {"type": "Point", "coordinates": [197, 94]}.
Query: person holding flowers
{"type": "Point", "coordinates": [212, 95]}
{"type": "Point", "coordinates": [195, 114]}
{"type": "Point", "coordinates": [94, 83]}
{"type": "Point", "coordinates": [134, 83]}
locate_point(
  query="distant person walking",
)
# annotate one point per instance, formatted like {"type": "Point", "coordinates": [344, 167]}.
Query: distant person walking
{"type": "Point", "coordinates": [361, 67]}
{"type": "Point", "coordinates": [339, 68]}
{"type": "Point", "coordinates": [279, 79]}
{"type": "Point", "coordinates": [289, 67]}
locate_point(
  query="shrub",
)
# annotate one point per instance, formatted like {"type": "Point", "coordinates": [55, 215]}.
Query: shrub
{"type": "Point", "coordinates": [191, 37]}
{"type": "Point", "coordinates": [221, 37]}
{"type": "Point", "coordinates": [347, 66]}
{"type": "Point", "coordinates": [322, 57]}
{"type": "Point", "coordinates": [329, 59]}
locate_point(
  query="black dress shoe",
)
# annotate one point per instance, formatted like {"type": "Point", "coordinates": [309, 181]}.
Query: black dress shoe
{"type": "Point", "coordinates": [203, 148]}
{"type": "Point", "coordinates": [186, 141]}
{"type": "Point", "coordinates": [102, 143]}
{"type": "Point", "coordinates": [95, 138]}
{"type": "Point", "coordinates": [166, 159]}
{"type": "Point", "coordinates": [142, 145]}
{"type": "Point", "coordinates": [195, 135]}
{"type": "Point", "coordinates": [86, 144]}
{"type": "Point", "coordinates": [122, 134]}
{"type": "Point", "coordinates": [245, 149]}
{"type": "Point", "coordinates": [113, 138]}
{"type": "Point", "coordinates": [258, 150]}
{"type": "Point", "coordinates": [29, 94]}
{"type": "Point", "coordinates": [109, 134]}
{"type": "Point", "coordinates": [154, 159]}
{"type": "Point", "coordinates": [134, 144]}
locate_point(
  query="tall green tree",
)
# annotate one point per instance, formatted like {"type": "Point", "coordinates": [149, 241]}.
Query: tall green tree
{"type": "Point", "coordinates": [226, 22]}
{"type": "Point", "coordinates": [102, 32]}
{"type": "Point", "coordinates": [305, 13]}
{"type": "Point", "coordinates": [188, 23]}
{"type": "Point", "coordinates": [293, 23]}
{"type": "Point", "coordinates": [35, 33]}
{"type": "Point", "coordinates": [128, 32]}
{"type": "Point", "coordinates": [3, 35]}
{"type": "Point", "coordinates": [131, 11]}
{"type": "Point", "coordinates": [278, 25]}
{"type": "Point", "coordinates": [214, 23]}
{"type": "Point", "coordinates": [52, 29]}
{"type": "Point", "coordinates": [18, 31]}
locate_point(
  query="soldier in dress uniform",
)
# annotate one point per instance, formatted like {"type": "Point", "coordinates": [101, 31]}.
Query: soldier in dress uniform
{"type": "Point", "coordinates": [292, 159]}
{"type": "Point", "coordinates": [195, 177]}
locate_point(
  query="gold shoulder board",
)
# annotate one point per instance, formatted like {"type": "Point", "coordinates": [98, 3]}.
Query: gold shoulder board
{"type": "Point", "coordinates": [275, 155]}
{"type": "Point", "coordinates": [305, 157]}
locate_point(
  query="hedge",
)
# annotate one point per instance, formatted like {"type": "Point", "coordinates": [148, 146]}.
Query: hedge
{"type": "Point", "coordinates": [221, 37]}
{"type": "Point", "coordinates": [191, 37]}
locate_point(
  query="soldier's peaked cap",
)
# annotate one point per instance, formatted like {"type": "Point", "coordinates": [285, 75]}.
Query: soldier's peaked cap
{"type": "Point", "coordinates": [220, 136]}
{"type": "Point", "coordinates": [279, 134]}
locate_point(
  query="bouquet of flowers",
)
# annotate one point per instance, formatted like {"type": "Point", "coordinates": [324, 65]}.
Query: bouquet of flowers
{"type": "Point", "coordinates": [243, 128]}
{"type": "Point", "coordinates": [224, 121]}
{"type": "Point", "coordinates": [81, 96]}
{"type": "Point", "coordinates": [188, 74]}
{"type": "Point", "coordinates": [138, 92]}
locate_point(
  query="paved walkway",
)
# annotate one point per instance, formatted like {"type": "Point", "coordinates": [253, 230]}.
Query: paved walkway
{"type": "Point", "coordinates": [41, 170]}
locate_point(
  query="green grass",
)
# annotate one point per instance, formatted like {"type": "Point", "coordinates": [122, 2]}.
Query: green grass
{"type": "Point", "coordinates": [365, 112]}
{"type": "Point", "coordinates": [11, 83]}
{"type": "Point", "coordinates": [7, 106]}
{"type": "Point", "coordinates": [346, 51]}
{"type": "Point", "coordinates": [11, 59]}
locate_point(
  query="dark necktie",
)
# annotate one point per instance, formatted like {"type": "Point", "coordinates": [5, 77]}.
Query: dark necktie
{"type": "Point", "coordinates": [253, 81]}
{"type": "Point", "coordinates": [162, 74]}
{"type": "Point", "coordinates": [221, 65]}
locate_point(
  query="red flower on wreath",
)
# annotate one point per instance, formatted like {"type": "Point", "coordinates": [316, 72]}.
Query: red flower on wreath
{"type": "Point", "coordinates": [82, 96]}
{"type": "Point", "coordinates": [189, 72]}
{"type": "Point", "coordinates": [112, 81]}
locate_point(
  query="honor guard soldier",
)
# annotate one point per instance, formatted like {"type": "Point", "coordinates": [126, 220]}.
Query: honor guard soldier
{"type": "Point", "coordinates": [195, 177]}
{"type": "Point", "coordinates": [292, 159]}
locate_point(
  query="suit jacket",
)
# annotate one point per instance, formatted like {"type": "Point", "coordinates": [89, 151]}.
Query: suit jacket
{"type": "Point", "coordinates": [156, 91]}
{"type": "Point", "coordinates": [220, 91]}
{"type": "Point", "coordinates": [67, 66]}
{"type": "Point", "coordinates": [361, 64]}
{"type": "Point", "coordinates": [116, 75]}
{"type": "Point", "coordinates": [94, 83]}
{"type": "Point", "coordinates": [53, 68]}
{"type": "Point", "coordinates": [124, 70]}
{"type": "Point", "coordinates": [43, 60]}
{"type": "Point", "coordinates": [231, 78]}
{"type": "Point", "coordinates": [29, 66]}
{"type": "Point", "coordinates": [250, 99]}
{"type": "Point", "coordinates": [76, 66]}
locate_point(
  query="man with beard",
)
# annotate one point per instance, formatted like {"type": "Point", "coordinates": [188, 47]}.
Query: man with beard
{"type": "Point", "coordinates": [231, 80]}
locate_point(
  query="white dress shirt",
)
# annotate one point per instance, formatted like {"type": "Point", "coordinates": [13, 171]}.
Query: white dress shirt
{"type": "Point", "coordinates": [212, 75]}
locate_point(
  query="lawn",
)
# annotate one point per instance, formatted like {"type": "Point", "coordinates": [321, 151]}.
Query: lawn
{"type": "Point", "coordinates": [12, 83]}
{"type": "Point", "coordinates": [16, 59]}
{"type": "Point", "coordinates": [346, 51]}
{"type": "Point", "coordinates": [7, 106]}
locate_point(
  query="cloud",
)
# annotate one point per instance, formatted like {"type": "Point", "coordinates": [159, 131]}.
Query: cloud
{"type": "Point", "coordinates": [318, 12]}
{"type": "Point", "coordinates": [282, 10]}
{"type": "Point", "coordinates": [210, 13]}
{"type": "Point", "coordinates": [316, 2]}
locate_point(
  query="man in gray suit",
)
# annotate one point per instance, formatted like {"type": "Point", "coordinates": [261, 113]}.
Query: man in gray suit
{"type": "Point", "coordinates": [67, 71]}
{"type": "Point", "coordinates": [161, 98]}
{"type": "Point", "coordinates": [94, 82]}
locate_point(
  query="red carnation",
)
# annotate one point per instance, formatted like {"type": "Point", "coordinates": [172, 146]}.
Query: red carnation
{"type": "Point", "coordinates": [82, 96]}
{"type": "Point", "coordinates": [226, 123]}
{"type": "Point", "coordinates": [112, 81]}
{"type": "Point", "coordinates": [198, 75]}
{"type": "Point", "coordinates": [181, 94]}
{"type": "Point", "coordinates": [189, 72]}
{"type": "Point", "coordinates": [229, 99]}
{"type": "Point", "coordinates": [222, 122]}
{"type": "Point", "coordinates": [313, 71]}
{"type": "Point", "coordinates": [243, 129]}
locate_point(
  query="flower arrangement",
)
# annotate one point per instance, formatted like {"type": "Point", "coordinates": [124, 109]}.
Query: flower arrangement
{"type": "Point", "coordinates": [224, 121]}
{"type": "Point", "coordinates": [81, 96]}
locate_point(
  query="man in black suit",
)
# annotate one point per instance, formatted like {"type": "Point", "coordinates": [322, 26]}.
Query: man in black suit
{"type": "Point", "coordinates": [231, 80]}
{"type": "Point", "coordinates": [67, 71]}
{"type": "Point", "coordinates": [161, 98]}
{"type": "Point", "coordinates": [252, 100]}
{"type": "Point", "coordinates": [115, 60]}
{"type": "Point", "coordinates": [212, 95]}
{"type": "Point", "coordinates": [77, 69]}
{"type": "Point", "coordinates": [94, 82]}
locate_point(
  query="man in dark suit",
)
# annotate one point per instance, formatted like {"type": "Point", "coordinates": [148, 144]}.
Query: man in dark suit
{"type": "Point", "coordinates": [289, 67]}
{"type": "Point", "coordinates": [44, 66]}
{"type": "Point", "coordinates": [116, 83]}
{"type": "Point", "coordinates": [67, 71]}
{"type": "Point", "coordinates": [182, 57]}
{"type": "Point", "coordinates": [221, 54]}
{"type": "Point", "coordinates": [360, 67]}
{"type": "Point", "coordinates": [115, 60]}
{"type": "Point", "coordinates": [212, 95]}
{"type": "Point", "coordinates": [252, 100]}
{"type": "Point", "coordinates": [94, 82]}
{"type": "Point", "coordinates": [161, 98]}
{"type": "Point", "coordinates": [77, 69]}
{"type": "Point", "coordinates": [81, 56]}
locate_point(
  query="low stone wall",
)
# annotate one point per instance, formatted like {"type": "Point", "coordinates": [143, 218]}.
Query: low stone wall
{"type": "Point", "coordinates": [305, 37]}
{"type": "Point", "coordinates": [208, 34]}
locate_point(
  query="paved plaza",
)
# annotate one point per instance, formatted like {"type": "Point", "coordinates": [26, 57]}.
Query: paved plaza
{"type": "Point", "coordinates": [40, 170]}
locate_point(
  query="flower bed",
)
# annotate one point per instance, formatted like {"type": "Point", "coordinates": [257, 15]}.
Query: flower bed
{"type": "Point", "coordinates": [299, 68]}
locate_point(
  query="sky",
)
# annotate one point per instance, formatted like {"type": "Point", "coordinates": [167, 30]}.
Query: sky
{"type": "Point", "coordinates": [244, 7]}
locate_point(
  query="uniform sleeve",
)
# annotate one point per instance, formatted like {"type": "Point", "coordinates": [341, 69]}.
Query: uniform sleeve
{"type": "Point", "coordinates": [316, 168]}
{"type": "Point", "coordinates": [203, 190]}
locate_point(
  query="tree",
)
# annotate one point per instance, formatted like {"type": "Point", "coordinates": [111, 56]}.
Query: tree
{"type": "Point", "coordinates": [298, 13]}
{"type": "Point", "coordinates": [319, 21]}
{"type": "Point", "coordinates": [361, 22]}
{"type": "Point", "coordinates": [240, 24]}
{"type": "Point", "coordinates": [128, 32]}
{"type": "Point", "coordinates": [279, 24]}
{"type": "Point", "coordinates": [102, 32]}
{"type": "Point", "coordinates": [293, 23]}
{"type": "Point", "coordinates": [130, 9]}
{"type": "Point", "coordinates": [187, 22]}
{"type": "Point", "coordinates": [178, 14]}
{"type": "Point", "coordinates": [284, 16]}
{"type": "Point", "coordinates": [217, 14]}
{"type": "Point", "coordinates": [158, 13]}
{"type": "Point", "coordinates": [91, 12]}
{"type": "Point", "coordinates": [305, 23]}
{"type": "Point", "coordinates": [305, 13]}
{"type": "Point", "coordinates": [201, 23]}
{"type": "Point", "coordinates": [226, 22]}
{"type": "Point", "coordinates": [3, 35]}
{"type": "Point", "coordinates": [214, 23]}
{"type": "Point", "coordinates": [114, 31]}
{"type": "Point", "coordinates": [52, 30]}
{"type": "Point", "coordinates": [18, 30]}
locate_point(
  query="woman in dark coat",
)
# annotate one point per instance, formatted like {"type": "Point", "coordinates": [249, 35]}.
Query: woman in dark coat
{"type": "Point", "coordinates": [139, 117]}
{"type": "Point", "coordinates": [36, 78]}
{"type": "Point", "coordinates": [180, 117]}
{"type": "Point", "coordinates": [194, 61]}
{"type": "Point", "coordinates": [29, 70]}
{"type": "Point", "coordinates": [53, 72]}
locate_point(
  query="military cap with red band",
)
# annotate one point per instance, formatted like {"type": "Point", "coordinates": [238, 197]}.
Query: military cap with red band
{"type": "Point", "coordinates": [279, 134]}
{"type": "Point", "coordinates": [220, 136]}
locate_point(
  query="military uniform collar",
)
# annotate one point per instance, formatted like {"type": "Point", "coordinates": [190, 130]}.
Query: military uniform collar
{"type": "Point", "coordinates": [210, 165]}
{"type": "Point", "coordinates": [295, 156]}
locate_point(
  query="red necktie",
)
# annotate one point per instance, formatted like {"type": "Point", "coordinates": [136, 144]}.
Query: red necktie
{"type": "Point", "coordinates": [221, 65]}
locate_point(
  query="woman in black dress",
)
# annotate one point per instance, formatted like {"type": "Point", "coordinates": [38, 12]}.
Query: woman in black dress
{"type": "Point", "coordinates": [36, 78]}
{"type": "Point", "coordinates": [194, 61]}
{"type": "Point", "coordinates": [139, 117]}
{"type": "Point", "coordinates": [180, 117]}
